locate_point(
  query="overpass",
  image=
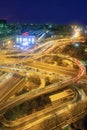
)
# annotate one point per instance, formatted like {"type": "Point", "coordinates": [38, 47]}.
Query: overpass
{"type": "Point", "coordinates": [51, 113]}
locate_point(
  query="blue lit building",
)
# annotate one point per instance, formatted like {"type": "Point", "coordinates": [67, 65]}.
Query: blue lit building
{"type": "Point", "coordinates": [25, 40]}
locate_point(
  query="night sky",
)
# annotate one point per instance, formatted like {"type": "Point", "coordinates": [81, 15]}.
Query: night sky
{"type": "Point", "coordinates": [44, 11]}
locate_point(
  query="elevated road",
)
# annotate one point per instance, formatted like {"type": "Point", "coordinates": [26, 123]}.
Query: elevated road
{"type": "Point", "coordinates": [9, 87]}
{"type": "Point", "coordinates": [49, 89]}
{"type": "Point", "coordinates": [35, 93]}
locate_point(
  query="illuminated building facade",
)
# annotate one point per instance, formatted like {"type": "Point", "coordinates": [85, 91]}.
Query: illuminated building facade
{"type": "Point", "coordinates": [25, 40]}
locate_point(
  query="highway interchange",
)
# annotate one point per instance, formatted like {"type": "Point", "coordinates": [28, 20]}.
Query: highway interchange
{"type": "Point", "coordinates": [15, 72]}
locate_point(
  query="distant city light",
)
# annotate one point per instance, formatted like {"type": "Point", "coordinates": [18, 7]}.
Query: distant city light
{"type": "Point", "coordinates": [32, 40]}
{"type": "Point", "coordinates": [77, 32]}
{"type": "Point", "coordinates": [85, 49]}
{"type": "Point", "coordinates": [25, 43]}
{"type": "Point", "coordinates": [20, 39]}
{"type": "Point", "coordinates": [76, 35]}
{"type": "Point", "coordinates": [76, 44]}
{"type": "Point", "coordinates": [9, 42]}
{"type": "Point", "coordinates": [29, 40]}
{"type": "Point", "coordinates": [17, 39]}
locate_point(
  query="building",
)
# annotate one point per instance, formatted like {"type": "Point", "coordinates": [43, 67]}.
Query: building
{"type": "Point", "coordinates": [25, 40]}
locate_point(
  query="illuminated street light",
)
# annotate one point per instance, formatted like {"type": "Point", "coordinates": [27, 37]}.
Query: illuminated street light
{"type": "Point", "coordinates": [9, 44]}
{"type": "Point", "coordinates": [69, 106]}
{"type": "Point", "coordinates": [77, 45]}
{"type": "Point", "coordinates": [85, 49]}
